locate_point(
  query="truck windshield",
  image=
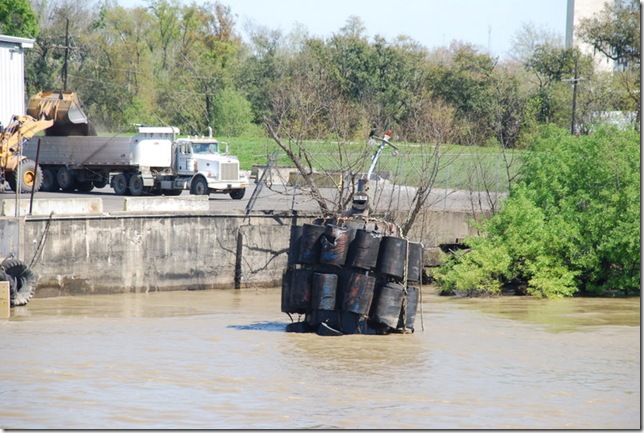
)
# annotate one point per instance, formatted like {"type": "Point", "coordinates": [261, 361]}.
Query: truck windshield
{"type": "Point", "coordinates": [205, 147]}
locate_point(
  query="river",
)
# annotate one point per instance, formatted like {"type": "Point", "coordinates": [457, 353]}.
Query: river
{"type": "Point", "coordinates": [221, 360]}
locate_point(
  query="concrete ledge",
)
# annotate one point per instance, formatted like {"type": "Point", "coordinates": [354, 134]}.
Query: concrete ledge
{"type": "Point", "coordinates": [58, 206]}
{"type": "Point", "coordinates": [321, 180]}
{"type": "Point", "coordinates": [276, 176]}
{"type": "Point", "coordinates": [188, 203]}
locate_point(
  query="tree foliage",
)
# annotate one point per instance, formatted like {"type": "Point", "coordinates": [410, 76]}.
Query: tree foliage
{"type": "Point", "coordinates": [176, 63]}
{"type": "Point", "coordinates": [571, 224]}
{"type": "Point", "coordinates": [615, 32]}
{"type": "Point", "coordinates": [18, 19]}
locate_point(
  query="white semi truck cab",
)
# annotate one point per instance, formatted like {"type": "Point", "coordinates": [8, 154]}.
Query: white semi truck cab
{"type": "Point", "coordinates": [207, 168]}
{"type": "Point", "coordinates": [166, 165]}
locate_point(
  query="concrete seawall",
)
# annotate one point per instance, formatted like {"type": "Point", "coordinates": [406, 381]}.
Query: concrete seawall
{"type": "Point", "coordinates": [161, 250]}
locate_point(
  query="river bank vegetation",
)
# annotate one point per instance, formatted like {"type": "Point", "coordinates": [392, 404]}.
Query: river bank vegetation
{"type": "Point", "coordinates": [570, 225]}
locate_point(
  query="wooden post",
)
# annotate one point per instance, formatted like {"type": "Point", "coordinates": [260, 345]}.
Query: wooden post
{"type": "Point", "coordinates": [238, 259]}
{"type": "Point", "coordinates": [5, 302]}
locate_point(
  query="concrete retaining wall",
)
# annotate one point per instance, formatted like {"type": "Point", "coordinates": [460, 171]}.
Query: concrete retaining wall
{"type": "Point", "coordinates": [57, 206]}
{"type": "Point", "coordinates": [130, 252]}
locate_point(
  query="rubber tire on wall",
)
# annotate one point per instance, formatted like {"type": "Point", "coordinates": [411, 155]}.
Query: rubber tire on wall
{"type": "Point", "coordinates": [24, 280]}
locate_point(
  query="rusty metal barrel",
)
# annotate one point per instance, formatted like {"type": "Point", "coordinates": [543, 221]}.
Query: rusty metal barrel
{"type": "Point", "coordinates": [363, 250]}
{"type": "Point", "coordinates": [387, 303]}
{"type": "Point", "coordinates": [324, 288]}
{"type": "Point", "coordinates": [358, 293]}
{"type": "Point", "coordinates": [391, 257]}
{"type": "Point", "coordinates": [296, 291]}
{"type": "Point", "coordinates": [310, 243]}
{"type": "Point", "coordinates": [334, 245]}
{"type": "Point", "coordinates": [415, 262]}
{"type": "Point", "coordinates": [286, 292]}
{"type": "Point", "coordinates": [410, 306]}
{"type": "Point", "coordinates": [294, 245]}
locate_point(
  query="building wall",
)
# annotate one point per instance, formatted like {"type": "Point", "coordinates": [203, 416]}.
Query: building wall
{"type": "Point", "coordinates": [576, 11]}
{"type": "Point", "coordinates": [12, 76]}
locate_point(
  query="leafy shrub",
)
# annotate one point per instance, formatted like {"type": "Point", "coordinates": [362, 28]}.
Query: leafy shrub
{"type": "Point", "coordinates": [571, 224]}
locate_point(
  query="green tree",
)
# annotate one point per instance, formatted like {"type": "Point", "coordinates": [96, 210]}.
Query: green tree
{"type": "Point", "coordinates": [571, 224]}
{"type": "Point", "coordinates": [615, 32]}
{"type": "Point", "coordinates": [205, 63]}
{"type": "Point", "coordinates": [526, 40]}
{"type": "Point", "coordinates": [18, 19]}
{"type": "Point", "coordinates": [263, 59]}
{"type": "Point", "coordinates": [232, 113]}
{"type": "Point", "coordinates": [471, 82]}
{"type": "Point", "coordinates": [550, 100]}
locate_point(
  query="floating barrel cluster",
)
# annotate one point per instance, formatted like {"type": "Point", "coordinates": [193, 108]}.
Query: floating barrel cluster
{"type": "Point", "coordinates": [351, 276]}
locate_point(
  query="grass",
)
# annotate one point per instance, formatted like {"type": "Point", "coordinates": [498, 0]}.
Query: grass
{"type": "Point", "coordinates": [459, 167]}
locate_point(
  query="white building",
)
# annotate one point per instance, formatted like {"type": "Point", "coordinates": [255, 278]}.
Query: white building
{"type": "Point", "coordinates": [12, 76]}
{"type": "Point", "coordinates": [576, 11]}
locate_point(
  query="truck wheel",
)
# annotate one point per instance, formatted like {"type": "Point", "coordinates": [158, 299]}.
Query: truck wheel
{"type": "Point", "coordinates": [104, 177]}
{"type": "Point", "coordinates": [86, 186]}
{"type": "Point", "coordinates": [199, 186]}
{"type": "Point", "coordinates": [49, 182]}
{"type": "Point", "coordinates": [30, 177]}
{"type": "Point", "coordinates": [65, 179]}
{"type": "Point", "coordinates": [119, 184]}
{"type": "Point", "coordinates": [171, 192]}
{"type": "Point", "coordinates": [136, 185]}
{"type": "Point", "coordinates": [237, 194]}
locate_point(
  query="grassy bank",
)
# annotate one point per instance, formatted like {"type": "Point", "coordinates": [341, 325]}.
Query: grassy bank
{"type": "Point", "coordinates": [459, 167]}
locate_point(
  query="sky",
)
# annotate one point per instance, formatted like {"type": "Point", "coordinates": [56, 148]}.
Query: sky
{"type": "Point", "coordinates": [488, 24]}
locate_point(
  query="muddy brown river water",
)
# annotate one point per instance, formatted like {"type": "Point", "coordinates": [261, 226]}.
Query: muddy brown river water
{"type": "Point", "coordinates": [221, 360]}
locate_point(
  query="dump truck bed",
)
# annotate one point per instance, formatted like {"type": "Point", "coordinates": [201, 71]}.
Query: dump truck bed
{"type": "Point", "coordinates": [78, 152]}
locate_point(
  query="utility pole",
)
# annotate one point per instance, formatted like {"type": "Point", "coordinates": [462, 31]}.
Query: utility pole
{"type": "Point", "coordinates": [67, 55]}
{"type": "Point", "coordinates": [574, 81]}
{"type": "Point", "coordinates": [67, 48]}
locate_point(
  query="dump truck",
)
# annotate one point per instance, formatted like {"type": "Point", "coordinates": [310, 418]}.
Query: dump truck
{"type": "Point", "coordinates": [152, 162]}
{"type": "Point", "coordinates": [58, 113]}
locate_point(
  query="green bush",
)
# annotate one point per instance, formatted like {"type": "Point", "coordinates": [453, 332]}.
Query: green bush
{"type": "Point", "coordinates": [571, 224]}
{"type": "Point", "coordinates": [233, 115]}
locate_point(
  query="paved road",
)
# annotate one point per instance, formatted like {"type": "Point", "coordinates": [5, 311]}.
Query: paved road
{"type": "Point", "coordinates": [283, 198]}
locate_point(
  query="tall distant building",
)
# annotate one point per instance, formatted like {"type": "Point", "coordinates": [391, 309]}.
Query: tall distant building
{"type": "Point", "coordinates": [578, 9]}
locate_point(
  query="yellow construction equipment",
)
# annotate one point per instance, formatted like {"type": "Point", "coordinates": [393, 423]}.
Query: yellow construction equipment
{"type": "Point", "coordinates": [17, 170]}
{"type": "Point", "coordinates": [58, 113]}
{"type": "Point", "coordinates": [64, 108]}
